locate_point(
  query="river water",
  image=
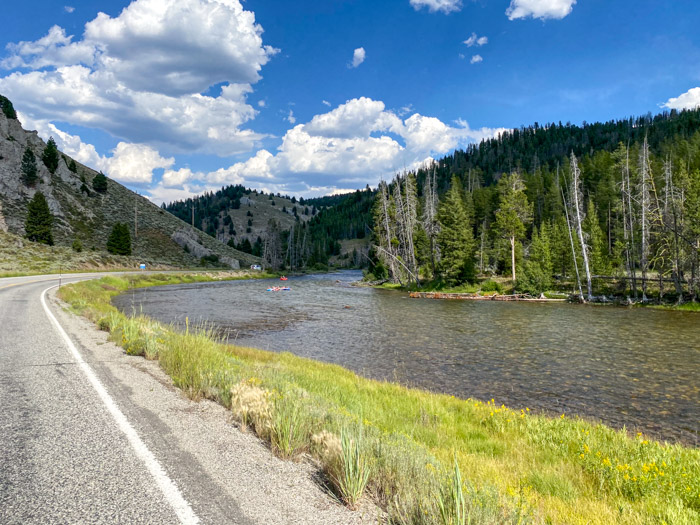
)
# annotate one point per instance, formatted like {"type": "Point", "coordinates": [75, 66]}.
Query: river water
{"type": "Point", "coordinates": [638, 368]}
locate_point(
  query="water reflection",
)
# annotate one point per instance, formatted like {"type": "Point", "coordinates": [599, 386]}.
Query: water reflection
{"type": "Point", "coordinates": [633, 367]}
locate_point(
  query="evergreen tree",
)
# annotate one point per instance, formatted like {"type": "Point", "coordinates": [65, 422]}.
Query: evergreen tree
{"type": "Point", "coordinates": [598, 253]}
{"type": "Point", "coordinates": [39, 220]}
{"type": "Point", "coordinates": [73, 166]}
{"type": "Point", "coordinates": [536, 276]}
{"type": "Point", "coordinates": [119, 241]}
{"type": "Point", "coordinates": [455, 239]}
{"type": "Point", "coordinates": [99, 183]}
{"type": "Point", "coordinates": [50, 155]}
{"type": "Point", "coordinates": [29, 169]}
{"type": "Point", "coordinates": [513, 213]}
{"type": "Point", "coordinates": [7, 107]}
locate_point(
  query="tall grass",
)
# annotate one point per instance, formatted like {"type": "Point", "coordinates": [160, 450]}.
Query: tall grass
{"type": "Point", "coordinates": [506, 466]}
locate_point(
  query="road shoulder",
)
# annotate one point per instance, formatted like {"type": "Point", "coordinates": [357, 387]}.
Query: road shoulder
{"type": "Point", "coordinates": [226, 475]}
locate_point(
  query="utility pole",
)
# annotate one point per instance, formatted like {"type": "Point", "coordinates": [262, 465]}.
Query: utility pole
{"type": "Point", "coordinates": [136, 215]}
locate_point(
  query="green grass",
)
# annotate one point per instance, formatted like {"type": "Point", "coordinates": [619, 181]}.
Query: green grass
{"type": "Point", "coordinates": [514, 467]}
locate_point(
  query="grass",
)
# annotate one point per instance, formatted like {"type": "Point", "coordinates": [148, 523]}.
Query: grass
{"type": "Point", "coordinates": [514, 467]}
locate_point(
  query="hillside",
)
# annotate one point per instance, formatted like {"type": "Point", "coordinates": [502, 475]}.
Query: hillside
{"type": "Point", "coordinates": [83, 214]}
{"type": "Point", "coordinates": [236, 214]}
{"type": "Point", "coordinates": [326, 230]}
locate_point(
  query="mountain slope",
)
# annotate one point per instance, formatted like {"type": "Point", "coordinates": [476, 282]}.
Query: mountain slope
{"type": "Point", "coordinates": [83, 214]}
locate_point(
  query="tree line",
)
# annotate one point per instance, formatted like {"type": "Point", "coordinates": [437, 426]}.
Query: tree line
{"type": "Point", "coordinates": [629, 216]}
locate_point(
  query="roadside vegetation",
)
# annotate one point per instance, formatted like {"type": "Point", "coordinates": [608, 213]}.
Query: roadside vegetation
{"type": "Point", "coordinates": [424, 458]}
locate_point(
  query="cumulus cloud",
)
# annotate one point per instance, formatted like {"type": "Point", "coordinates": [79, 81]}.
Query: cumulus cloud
{"type": "Point", "coordinates": [326, 103]}
{"type": "Point", "coordinates": [688, 100]}
{"type": "Point", "coordinates": [356, 118]}
{"type": "Point", "coordinates": [474, 40]}
{"type": "Point", "coordinates": [129, 163]}
{"type": "Point", "coordinates": [134, 163]}
{"type": "Point", "coordinates": [356, 143]}
{"type": "Point", "coordinates": [543, 9]}
{"type": "Point", "coordinates": [193, 123]}
{"type": "Point", "coordinates": [68, 8]}
{"type": "Point", "coordinates": [139, 76]}
{"type": "Point", "coordinates": [358, 56]}
{"type": "Point", "coordinates": [290, 117]}
{"type": "Point", "coordinates": [476, 59]}
{"type": "Point", "coordinates": [446, 6]}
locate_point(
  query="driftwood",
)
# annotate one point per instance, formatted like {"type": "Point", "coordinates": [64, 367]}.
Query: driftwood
{"type": "Point", "coordinates": [475, 297]}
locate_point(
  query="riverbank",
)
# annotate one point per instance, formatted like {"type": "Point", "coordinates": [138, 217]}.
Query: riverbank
{"type": "Point", "coordinates": [515, 466]}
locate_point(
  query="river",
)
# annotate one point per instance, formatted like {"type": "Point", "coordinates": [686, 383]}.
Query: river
{"type": "Point", "coordinates": [638, 368]}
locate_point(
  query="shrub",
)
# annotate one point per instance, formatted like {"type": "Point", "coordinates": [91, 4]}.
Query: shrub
{"type": "Point", "coordinates": [99, 183]}
{"type": "Point", "coordinates": [491, 286]}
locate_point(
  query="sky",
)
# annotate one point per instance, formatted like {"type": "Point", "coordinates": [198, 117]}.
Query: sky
{"type": "Point", "coordinates": [314, 97]}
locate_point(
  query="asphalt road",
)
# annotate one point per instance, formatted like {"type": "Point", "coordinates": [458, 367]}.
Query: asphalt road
{"type": "Point", "coordinates": [63, 459]}
{"type": "Point", "coordinates": [91, 435]}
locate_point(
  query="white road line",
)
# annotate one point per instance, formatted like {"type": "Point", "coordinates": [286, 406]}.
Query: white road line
{"type": "Point", "coordinates": [170, 491]}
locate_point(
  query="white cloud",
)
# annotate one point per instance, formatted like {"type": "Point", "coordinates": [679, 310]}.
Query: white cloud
{"type": "Point", "coordinates": [129, 163]}
{"type": "Point", "coordinates": [356, 118]}
{"type": "Point", "coordinates": [446, 6]}
{"type": "Point", "coordinates": [326, 103]}
{"type": "Point", "coordinates": [68, 8]}
{"type": "Point", "coordinates": [543, 9]}
{"type": "Point", "coordinates": [290, 117]}
{"type": "Point", "coordinates": [134, 163]}
{"type": "Point", "coordinates": [688, 100]}
{"type": "Point", "coordinates": [139, 76]}
{"type": "Point", "coordinates": [358, 56]}
{"type": "Point", "coordinates": [261, 103]}
{"type": "Point", "coordinates": [474, 40]}
{"type": "Point", "coordinates": [354, 144]}
{"type": "Point", "coordinates": [476, 59]}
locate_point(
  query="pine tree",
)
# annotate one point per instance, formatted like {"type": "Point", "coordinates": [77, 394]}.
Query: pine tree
{"type": "Point", "coordinates": [119, 241]}
{"type": "Point", "coordinates": [39, 220]}
{"type": "Point", "coordinates": [29, 169]}
{"type": "Point", "coordinates": [536, 276]}
{"type": "Point", "coordinates": [50, 155]}
{"type": "Point", "coordinates": [456, 239]}
{"type": "Point", "coordinates": [7, 107]}
{"type": "Point", "coordinates": [99, 183]}
{"type": "Point", "coordinates": [600, 261]}
{"type": "Point", "coordinates": [514, 212]}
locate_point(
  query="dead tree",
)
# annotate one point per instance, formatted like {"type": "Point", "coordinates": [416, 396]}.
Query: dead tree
{"type": "Point", "coordinates": [579, 215]}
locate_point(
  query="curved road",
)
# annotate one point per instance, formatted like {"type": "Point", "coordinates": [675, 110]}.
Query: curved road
{"type": "Point", "coordinates": [90, 435]}
{"type": "Point", "coordinates": [64, 458]}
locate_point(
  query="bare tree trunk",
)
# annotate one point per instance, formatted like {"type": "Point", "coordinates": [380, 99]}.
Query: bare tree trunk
{"type": "Point", "coordinates": [579, 215]}
{"type": "Point", "coordinates": [512, 256]}
{"type": "Point", "coordinates": [630, 216]}
{"type": "Point", "coordinates": [645, 230]}
{"type": "Point", "coordinates": [571, 239]}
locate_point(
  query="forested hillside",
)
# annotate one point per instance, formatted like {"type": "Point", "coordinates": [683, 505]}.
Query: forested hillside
{"type": "Point", "coordinates": [287, 232]}
{"type": "Point", "coordinates": [553, 204]}
{"type": "Point", "coordinates": [598, 208]}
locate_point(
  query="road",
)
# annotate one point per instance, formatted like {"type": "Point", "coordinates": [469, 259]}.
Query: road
{"type": "Point", "coordinates": [90, 435]}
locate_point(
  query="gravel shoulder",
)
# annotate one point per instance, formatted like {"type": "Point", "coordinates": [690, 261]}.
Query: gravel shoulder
{"type": "Point", "coordinates": [227, 476]}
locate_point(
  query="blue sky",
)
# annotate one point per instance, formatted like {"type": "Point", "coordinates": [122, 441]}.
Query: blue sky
{"type": "Point", "coordinates": [176, 97]}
